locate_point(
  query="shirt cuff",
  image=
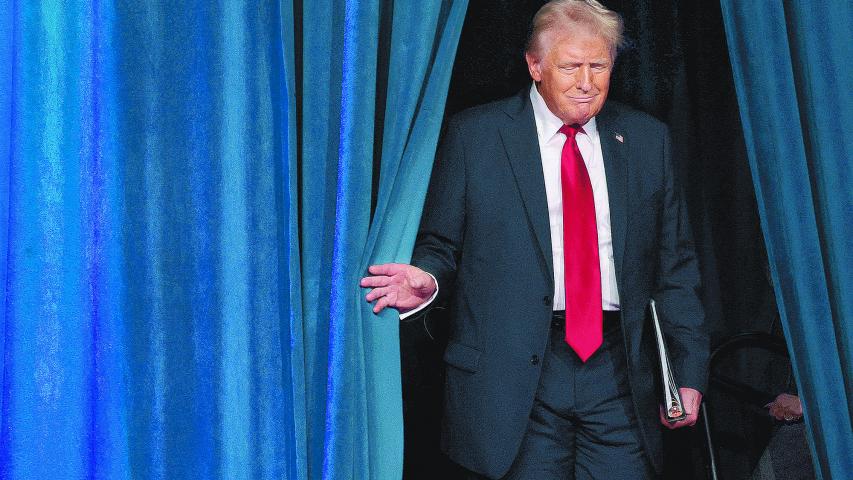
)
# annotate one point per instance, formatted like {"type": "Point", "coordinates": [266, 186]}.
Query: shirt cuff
{"type": "Point", "coordinates": [422, 306]}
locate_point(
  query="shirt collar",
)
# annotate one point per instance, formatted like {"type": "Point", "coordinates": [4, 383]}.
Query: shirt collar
{"type": "Point", "coordinates": [548, 124]}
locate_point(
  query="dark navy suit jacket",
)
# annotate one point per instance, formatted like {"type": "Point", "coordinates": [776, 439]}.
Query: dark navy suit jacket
{"type": "Point", "coordinates": [485, 236]}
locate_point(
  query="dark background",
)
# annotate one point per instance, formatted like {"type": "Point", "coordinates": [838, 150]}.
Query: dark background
{"type": "Point", "coordinates": [676, 67]}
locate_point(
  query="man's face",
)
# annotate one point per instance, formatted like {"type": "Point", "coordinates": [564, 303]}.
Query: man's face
{"type": "Point", "coordinates": [572, 72]}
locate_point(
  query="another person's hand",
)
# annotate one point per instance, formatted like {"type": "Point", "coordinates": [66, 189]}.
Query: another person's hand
{"type": "Point", "coordinates": [786, 407]}
{"type": "Point", "coordinates": [692, 400]}
{"type": "Point", "coordinates": [398, 285]}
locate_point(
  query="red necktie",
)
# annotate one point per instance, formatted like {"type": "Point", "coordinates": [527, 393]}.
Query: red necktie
{"type": "Point", "coordinates": [580, 251]}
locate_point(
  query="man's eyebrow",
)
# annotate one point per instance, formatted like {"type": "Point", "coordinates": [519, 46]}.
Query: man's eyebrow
{"type": "Point", "coordinates": [575, 63]}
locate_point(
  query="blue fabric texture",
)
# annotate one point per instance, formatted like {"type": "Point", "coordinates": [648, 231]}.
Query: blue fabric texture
{"type": "Point", "coordinates": [791, 62]}
{"type": "Point", "coordinates": [185, 211]}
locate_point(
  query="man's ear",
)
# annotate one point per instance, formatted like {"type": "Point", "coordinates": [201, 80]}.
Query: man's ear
{"type": "Point", "coordinates": [534, 66]}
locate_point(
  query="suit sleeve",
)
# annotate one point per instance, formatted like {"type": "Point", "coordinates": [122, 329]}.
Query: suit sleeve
{"type": "Point", "coordinates": [677, 293]}
{"type": "Point", "coordinates": [439, 241]}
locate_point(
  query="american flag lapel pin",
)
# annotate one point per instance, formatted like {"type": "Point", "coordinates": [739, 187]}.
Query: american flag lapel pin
{"type": "Point", "coordinates": [619, 138]}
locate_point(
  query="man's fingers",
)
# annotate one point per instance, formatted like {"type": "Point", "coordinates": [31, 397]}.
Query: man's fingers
{"type": "Point", "coordinates": [692, 399]}
{"type": "Point", "coordinates": [389, 294]}
{"type": "Point", "coordinates": [376, 293]}
{"type": "Point", "coordinates": [688, 421]}
{"type": "Point", "coordinates": [380, 305]}
{"type": "Point", "coordinates": [396, 285]}
{"type": "Point", "coordinates": [774, 411]}
{"type": "Point", "coordinates": [386, 269]}
{"type": "Point", "coordinates": [377, 281]}
{"type": "Point", "coordinates": [666, 423]}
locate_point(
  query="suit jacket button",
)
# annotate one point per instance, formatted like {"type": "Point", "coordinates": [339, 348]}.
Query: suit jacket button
{"type": "Point", "coordinates": [546, 300]}
{"type": "Point", "coordinates": [534, 360]}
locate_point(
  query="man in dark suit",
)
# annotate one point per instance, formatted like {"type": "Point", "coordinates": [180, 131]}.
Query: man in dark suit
{"type": "Point", "coordinates": [552, 219]}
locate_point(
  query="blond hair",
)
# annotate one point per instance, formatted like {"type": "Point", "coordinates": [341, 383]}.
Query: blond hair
{"type": "Point", "coordinates": [564, 15]}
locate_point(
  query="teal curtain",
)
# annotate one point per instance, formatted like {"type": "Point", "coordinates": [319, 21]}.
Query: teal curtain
{"type": "Point", "coordinates": [349, 84]}
{"type": "Point", "coordinates": [185, 209]}
{"type": "Point", "coordinates": [791, 62]}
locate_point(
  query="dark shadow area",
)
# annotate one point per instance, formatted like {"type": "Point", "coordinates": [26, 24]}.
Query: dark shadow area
{"type": "Point", "coordinates": [676, 68]}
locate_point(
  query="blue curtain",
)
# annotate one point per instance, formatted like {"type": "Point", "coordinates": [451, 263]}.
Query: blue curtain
{"type": "Point", "coordinates": [353, 362]}
{"type": "Point", "coordinates": [185, 209]}
{"type": "Point", "coordinates": [791, 62]}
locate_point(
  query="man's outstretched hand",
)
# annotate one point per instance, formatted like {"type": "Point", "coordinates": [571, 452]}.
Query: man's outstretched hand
{"type": "Point", "coordinates": [692, 400]}
{"type": "Point", "coordinates": [398, 285]}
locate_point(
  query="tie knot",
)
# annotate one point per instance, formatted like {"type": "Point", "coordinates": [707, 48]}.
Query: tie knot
{"type": "Point", "coordinates": [571, 130]}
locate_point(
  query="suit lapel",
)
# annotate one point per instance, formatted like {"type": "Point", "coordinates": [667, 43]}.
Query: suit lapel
{"type": "Point", "coordinates": [614, 149]}
{"type": "Point", "coordinates": [522, 148]}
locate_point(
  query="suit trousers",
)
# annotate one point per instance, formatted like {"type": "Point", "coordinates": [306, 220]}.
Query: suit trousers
{"type": "Point", "coordinates": [582, 425]}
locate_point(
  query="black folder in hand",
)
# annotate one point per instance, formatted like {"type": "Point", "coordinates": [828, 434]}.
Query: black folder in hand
{"type": "Point", "coordinates": [673, 408]}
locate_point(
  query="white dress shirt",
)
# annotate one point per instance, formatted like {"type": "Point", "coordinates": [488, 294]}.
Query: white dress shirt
{"type": "Point", "coordinates": [551, 143]}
